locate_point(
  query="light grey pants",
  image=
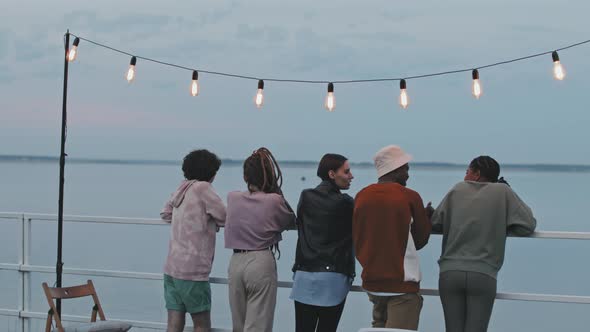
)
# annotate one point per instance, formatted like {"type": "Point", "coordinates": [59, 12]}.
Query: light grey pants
{"type": "Point", "coordinates": [467, 299]}
{"type": "Point", "coordinates": [252, 290]}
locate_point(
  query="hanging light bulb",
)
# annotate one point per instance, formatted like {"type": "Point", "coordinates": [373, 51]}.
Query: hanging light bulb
{"type": "Point", "coordinates": [195, 84]}
{"type": "Point", "coordinates": [131, 71]}
{"type": "Point", "coordinates": [73, 52]}
{"type": "Point", "coordinates": [476, 88]}
{"type": "Point", "coordinates": [403, 95]}
{"type": "Point", "coordinates": [558, 70]}
{"type": "Point", "coordinates": [259, 97]}
{"type": "Point", "coordinates": [330, 103]}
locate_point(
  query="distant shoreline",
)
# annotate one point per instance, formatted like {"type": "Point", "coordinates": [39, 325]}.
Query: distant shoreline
{"type": "Point", "coordinates": [291, 163]}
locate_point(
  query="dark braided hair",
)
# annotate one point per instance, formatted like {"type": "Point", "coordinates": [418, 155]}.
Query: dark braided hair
{"type": "Point", "coordinates": [488, 168]}
{"type": "Point", "coordinates": [262, 170]}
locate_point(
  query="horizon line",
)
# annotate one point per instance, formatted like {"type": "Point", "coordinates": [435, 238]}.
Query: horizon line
{"type": "Point", "coordinates": [302, 163]}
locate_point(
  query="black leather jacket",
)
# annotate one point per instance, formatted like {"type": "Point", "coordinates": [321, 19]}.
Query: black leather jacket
{"type": "Point", "coordinates": [324, 223]}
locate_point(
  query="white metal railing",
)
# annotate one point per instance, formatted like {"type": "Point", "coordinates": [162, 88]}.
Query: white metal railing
{"type": "Point", "coordinates": [24, 268]}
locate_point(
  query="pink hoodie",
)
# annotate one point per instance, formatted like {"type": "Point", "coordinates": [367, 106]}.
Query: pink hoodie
{"type": "Point", "coordinates": [195, 211]}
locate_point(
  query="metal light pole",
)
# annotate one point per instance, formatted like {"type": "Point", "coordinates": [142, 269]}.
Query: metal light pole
{"type": "Point", "coordinates": [62, 165]}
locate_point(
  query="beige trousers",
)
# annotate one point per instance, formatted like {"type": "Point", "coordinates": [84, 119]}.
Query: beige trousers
{"type": "Point", "coordinates": [252, 291]}
{"type": "Point", "coordinates": [397, 312]}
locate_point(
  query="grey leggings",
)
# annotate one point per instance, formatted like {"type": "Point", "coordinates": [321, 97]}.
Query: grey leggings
{"type": "Point", "coordinates": [467, 299]}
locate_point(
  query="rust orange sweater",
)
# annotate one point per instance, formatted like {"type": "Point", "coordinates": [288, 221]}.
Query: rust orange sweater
{"type": "Point", "coordinates": [389, 226]}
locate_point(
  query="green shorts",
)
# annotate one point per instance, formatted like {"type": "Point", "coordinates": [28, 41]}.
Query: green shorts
{"type": "Point", "coordinates": [187, 295]}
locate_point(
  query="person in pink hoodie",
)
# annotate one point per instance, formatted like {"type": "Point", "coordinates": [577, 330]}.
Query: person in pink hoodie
{"type": "Point", "coordinates": [195, 212]}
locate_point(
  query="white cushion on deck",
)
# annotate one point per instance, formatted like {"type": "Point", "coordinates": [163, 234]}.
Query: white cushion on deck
{"type": "Point", "coordinates": [381, 329]}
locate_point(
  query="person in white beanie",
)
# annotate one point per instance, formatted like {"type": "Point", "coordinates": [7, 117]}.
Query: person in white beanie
{"type": "Point", "coordinates": [390, 223]}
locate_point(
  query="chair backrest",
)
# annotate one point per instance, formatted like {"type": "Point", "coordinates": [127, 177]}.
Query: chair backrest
{"type": "Point", "coordinates": [52, 293]}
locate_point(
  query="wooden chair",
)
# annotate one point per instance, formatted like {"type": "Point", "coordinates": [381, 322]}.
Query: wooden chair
{"type": "Point", "coordinates": [53, 293]}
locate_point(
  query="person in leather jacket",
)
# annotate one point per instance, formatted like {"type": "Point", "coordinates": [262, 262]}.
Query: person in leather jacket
{"type": "Point", "coordinates": [325, 262]}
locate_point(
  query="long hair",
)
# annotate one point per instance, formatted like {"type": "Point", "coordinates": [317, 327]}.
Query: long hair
{"type": "Point", "coordinates": [488, 167]}
{"type": "Point", "coordinates": [262, 170]}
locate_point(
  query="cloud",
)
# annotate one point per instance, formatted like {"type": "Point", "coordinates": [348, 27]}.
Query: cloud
{"type": "Point", "coordinates": [272, 35]}
{"type": "Point", "coordinates": [277, 35]}
{"type": "Point", "coordinates": [27, 51]}
{"type": "Point", "coordinates": [7, 76]}
{"type": "Point", "coordinates": [85, 19]}
{"type": "Point", "coordinates": [300, 40]}
{"type": "Point", "coordinates": [247, 32]}
{"type": "Point", "coordinates": [137, 25]}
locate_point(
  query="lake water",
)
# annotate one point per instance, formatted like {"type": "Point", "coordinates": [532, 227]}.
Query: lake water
{"type": "Point", "coordinates": [559, 201]}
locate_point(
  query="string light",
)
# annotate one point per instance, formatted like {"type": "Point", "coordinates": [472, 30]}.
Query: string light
{"type": "Point", "coordinates": [195, 84]}
{"type": "Point", "coordinates": [73, 52]}
{"type": "Point", "coordinates": [131, 72]}
{"type": "Point", "coordinates": [330, 103]}
{"type": "Point", "coordinates": [476, 88]}
{"type": "Point", "coordinates": [558, 70]}
{"type": "Point", "coordinates": [259, 97]}
{"type": "Point", "coordinates": [404, 101]}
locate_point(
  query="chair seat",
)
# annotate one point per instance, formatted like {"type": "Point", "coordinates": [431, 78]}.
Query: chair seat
{"type": "Point", "coordinates": [100, 326]}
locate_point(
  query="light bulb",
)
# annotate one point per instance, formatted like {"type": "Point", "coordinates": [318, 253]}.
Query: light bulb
{"type": "Point", "coordinates": [259, 97]}
{"type": "Point", "coordinates": [330, 103]}
{"type": "Point", "coordinates": [404, 101]}
{"type": "Point", "coordinates": [558, 70]}
{"type": "Point", "coordinates": [73, 52]}
{"type": "Point", "coordinates": [195, 84]}
{"type": "Point", "coordinates": [131, 71]}
{"type": "Point", "coordinates": [476, 88]}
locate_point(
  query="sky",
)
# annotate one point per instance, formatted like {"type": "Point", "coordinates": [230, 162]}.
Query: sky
{"type": "Point", "coordinates": [524, 115]}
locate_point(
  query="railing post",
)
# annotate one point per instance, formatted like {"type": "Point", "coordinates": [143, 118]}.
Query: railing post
{"type": "Point", "coordinates": [26, 276]}
{"type": "Point", "coordinates": [21, 279]}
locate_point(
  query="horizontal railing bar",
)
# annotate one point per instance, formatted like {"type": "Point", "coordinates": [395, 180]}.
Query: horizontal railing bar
{"type": "Point", "coordinates": [544, 298]}
{"type": "Point", "coordinates": [10, 267]}
{"type": "Point", "coordinates": [288, 284]}
{"type": "Point", "coordinates": [559, 235]}
{"type": "Point", "coordinates": [97, 219]}
{"type": "Point", "coordinates": [13, 216]}
{"type": "Point", "coordinates": [556, 235]}
{"type": "Point", "coordinates": [93, 272]}
{"type": "Point", "coordinates": [135, 323]}
{"type": "Point", "coordinates": [9, 312]}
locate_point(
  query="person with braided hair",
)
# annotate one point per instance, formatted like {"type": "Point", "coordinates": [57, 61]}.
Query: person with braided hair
{"type": "Point", "coordinates": [475, 218]}
{"type": "Point", "coordinates": [255, 220]}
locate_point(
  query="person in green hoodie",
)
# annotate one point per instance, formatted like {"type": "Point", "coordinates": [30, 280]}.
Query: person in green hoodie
{"type": "Point", "coordinates": [475, 218]}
